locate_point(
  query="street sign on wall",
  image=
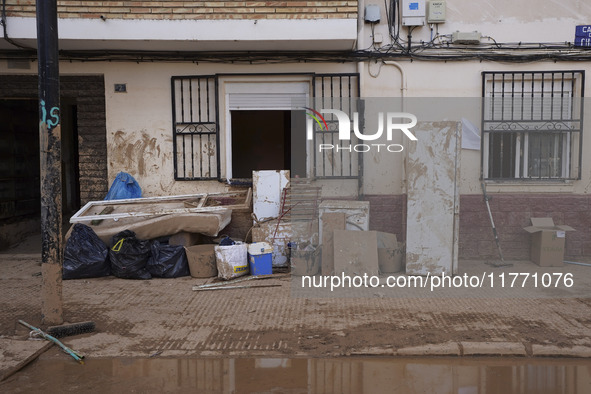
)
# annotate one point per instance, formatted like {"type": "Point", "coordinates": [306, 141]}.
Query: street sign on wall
{"type": "Point", "coordinates": [583, 36]}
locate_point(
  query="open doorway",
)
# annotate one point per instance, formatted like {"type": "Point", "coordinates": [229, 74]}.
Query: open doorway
{"type": "Point", "coordinates": [19, 158]}
{"type": "Point", "coordinates": [263, 140]}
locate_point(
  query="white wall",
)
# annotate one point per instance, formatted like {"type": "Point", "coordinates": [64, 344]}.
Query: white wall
{"type": "Point", "coordinates": [503, 20]}
{"type": "Point", "coordinates": [139, 122]}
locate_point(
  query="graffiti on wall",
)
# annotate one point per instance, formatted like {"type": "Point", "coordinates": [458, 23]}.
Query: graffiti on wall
{"type": "Point", "coordinates": [54, 114]}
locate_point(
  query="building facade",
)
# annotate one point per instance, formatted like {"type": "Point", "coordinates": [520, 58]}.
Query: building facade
{"type": "Point", "coordinates": [190, 97]}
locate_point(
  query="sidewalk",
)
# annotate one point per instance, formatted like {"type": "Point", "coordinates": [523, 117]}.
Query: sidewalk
{"type": "Point", "coordinates": [165, 317]}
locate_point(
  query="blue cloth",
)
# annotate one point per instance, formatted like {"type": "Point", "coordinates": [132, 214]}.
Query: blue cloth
{"type": "Point", "coordinates": [124, 186]}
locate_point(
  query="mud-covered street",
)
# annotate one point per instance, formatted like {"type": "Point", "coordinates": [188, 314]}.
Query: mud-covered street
{"type": "Point", "coordinates": [166, 318]}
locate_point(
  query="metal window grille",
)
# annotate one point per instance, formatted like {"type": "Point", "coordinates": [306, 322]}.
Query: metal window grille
{"type": "Point", "coordinates": [336, 91]}
{"type": "Point", "coordinates": [195, 105]}
{"type": "Point", "coordinates": [196, 128]}
{"type": "Point", "coordinates": [532, 125]}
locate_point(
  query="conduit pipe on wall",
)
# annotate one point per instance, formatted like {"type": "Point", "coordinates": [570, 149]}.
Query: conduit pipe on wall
{"type": "Point", "coordinates": [360, 67]}
{"type": "Point", "coordinates": [403, 86]}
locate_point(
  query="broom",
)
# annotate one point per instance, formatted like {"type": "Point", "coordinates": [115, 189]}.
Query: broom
{"type": "Point", "coordinates": [502, 263]}
{"type": "Point", "coordinates": [67, 330]}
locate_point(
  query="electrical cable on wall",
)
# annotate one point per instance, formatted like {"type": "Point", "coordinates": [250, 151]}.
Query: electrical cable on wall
{"type": "Point", "coordinates": [4, 24]}
{"type": "Point", "coordinates": [438, 48]}
{"type": "Point", "coordinates": [514, 53]}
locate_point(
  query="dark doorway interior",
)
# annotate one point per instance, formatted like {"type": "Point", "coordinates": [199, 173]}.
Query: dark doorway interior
{"type": "Point", "coordinates": [19, 158]}
{"type": "Point", "coordinates": [70, 172]}
{"type": "Point", "coordinates": [262, 140]}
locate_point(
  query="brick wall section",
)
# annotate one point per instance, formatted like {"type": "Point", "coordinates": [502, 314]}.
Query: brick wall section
{"type": "Point", "coordinates": [213, 9]}
{"type": "Point", "coordinates": [387, 213]}
{"type": "Point", "coordinates": [88, 92]}
{"type": "Point", "coordinates": [512, 212]}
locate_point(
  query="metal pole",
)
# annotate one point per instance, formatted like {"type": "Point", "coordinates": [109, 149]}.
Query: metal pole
{"type": "Point", "coordinates": [50, 154]}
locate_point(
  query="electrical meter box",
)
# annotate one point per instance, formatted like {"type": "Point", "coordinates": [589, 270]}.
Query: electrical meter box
{"type": "Point", "coordinates": [413, 12]}
{"type": "Point", "coordinates": [372, 13]}
{"type": "Point", "coordinates": [436, 11]}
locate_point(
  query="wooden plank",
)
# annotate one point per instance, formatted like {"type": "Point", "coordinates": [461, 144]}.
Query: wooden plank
{"type": "Point", "coordinates": [20, 355]}
{"type": "Point", "coordinates": [202, 202]}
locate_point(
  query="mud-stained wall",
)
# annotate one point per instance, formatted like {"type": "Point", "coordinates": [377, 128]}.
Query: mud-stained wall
{"type": "Point", "coordinates": [463, 81]}
{"type": "Point", "coordinates": [139, 122]}
{"type": "Point", "coordinates": [505, 21]}
{"type": "Point", "coordinates": [88, 93]}
{"type": "Point", "coordinates": [432, 199]}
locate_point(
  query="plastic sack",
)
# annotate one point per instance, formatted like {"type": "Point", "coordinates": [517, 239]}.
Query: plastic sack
{"type": "Point", "coordinates": [124, 186]}
{"type": "Point", "coordinates": [167, 261]}
{"type": "Point", "coordinates": [129, 256]}
{"type": "Point", "coordinates": [85, 255]}
{"type": "Point", "coordinates": [227, 241]}
{"type": "Point", "coordinates": [231, 260]}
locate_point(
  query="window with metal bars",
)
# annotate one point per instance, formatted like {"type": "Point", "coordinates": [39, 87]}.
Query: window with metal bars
{"type": "Point", "coordinates": [196, 134]}
{"type": "Point", "coordinates": [336, 91]}
{"type": "Point", "coordinates": [195, 127]}
{"type": "Point", "coordinates": [532, 125]}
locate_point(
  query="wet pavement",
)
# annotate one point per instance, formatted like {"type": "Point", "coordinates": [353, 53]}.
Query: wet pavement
{"type": "Point", "coordinates": [166, 317]}
{"type": "Point", "coordinates": [139, 318]}
{"type": "Point", "coordinates": [54, 373]}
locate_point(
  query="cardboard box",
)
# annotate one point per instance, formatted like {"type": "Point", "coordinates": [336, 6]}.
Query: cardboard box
{"type": "Point", "coordinates": [547, 242]}
{"type": "Point", "coordinates": [355, 252]}
{"type": "Point", "coordinates": [304, 262]}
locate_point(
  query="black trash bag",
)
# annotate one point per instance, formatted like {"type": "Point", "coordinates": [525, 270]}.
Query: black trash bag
{"type": "Point", "coordinates": [129, 256]}
{"type": "Point", "coordinates": [227, 241]}
{"type": "Point", "coordinates": [168, 261]}
{"type": "Point", "coordinates": [85, 255]}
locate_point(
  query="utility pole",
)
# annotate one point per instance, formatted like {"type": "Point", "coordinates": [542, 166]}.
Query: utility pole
{"type": "Point", "coordinates": [51, 159]}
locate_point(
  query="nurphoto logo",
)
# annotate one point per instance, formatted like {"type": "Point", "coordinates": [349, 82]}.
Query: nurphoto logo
{"type": "Point", "coordinates": [390, 119]}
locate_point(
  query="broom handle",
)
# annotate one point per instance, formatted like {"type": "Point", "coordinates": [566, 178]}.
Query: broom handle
{"type": "Point", "coordinates": [492, 222]}
{"type": "Point", "coordinates": [66, 349]}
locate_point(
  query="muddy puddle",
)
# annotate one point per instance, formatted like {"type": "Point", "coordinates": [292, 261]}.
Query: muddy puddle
{"type": "Point", "coordinates": [55, 373]}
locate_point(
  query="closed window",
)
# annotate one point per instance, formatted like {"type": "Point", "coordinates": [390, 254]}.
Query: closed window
{"type": "Point", "coordinates": [532, 124]}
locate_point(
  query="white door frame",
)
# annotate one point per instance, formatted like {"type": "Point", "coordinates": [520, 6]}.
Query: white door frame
{"type": "Point", "coordinates": [258, 93]}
